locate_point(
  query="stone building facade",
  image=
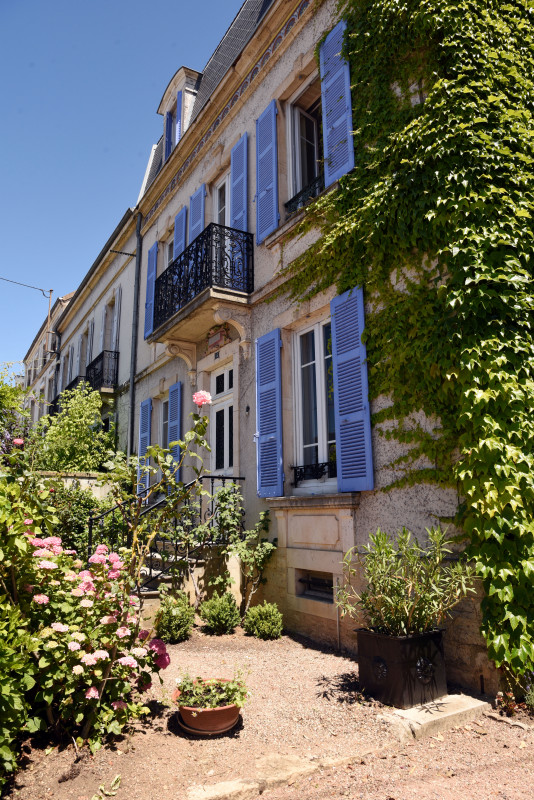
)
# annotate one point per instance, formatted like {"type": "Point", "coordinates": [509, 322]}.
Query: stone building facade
{"type": "Point", "coordinates": [184, 297]}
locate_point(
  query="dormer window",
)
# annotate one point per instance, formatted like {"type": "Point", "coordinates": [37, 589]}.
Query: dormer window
{"type": "Point", "coordinates": [173, 126]}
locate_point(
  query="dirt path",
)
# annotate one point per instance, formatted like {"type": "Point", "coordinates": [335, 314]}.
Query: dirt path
{"type": "Point", "coordinates": [304, 709]}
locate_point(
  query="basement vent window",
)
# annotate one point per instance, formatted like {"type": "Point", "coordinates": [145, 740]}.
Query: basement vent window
{"type": "Point", "coordinates": [315, 585]}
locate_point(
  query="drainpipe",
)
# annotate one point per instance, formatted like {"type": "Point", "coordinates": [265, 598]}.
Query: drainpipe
{"type": "Point", "coordinates": [135, 331]}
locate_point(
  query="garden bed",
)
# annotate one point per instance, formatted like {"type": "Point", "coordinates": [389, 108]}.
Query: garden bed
{"type": "Point", "coordinates": [303, 702]}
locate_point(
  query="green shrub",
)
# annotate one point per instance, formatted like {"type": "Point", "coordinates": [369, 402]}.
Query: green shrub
{"type": "Point", "coordinates": [264, 621]}
{"type": "Point", "coordinates": [220, 614]}
{"type": "Point", "coordinates": [174, 620]}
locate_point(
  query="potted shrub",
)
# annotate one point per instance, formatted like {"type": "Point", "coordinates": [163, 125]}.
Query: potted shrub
{"type": "Point", "coordinates": [209, 706]}
{"type": "Point", "coordinates": [409, 591]}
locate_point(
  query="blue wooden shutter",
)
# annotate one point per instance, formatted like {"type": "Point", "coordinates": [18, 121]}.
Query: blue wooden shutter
{"type": "Point", "coordinates": [168, 135]}
{"type": "Point", "coordinates": [175, 420]}
{"type": "Point", "coordinates": [269, 415]}
{"type": "Point", "coordinates": [267, 216]}
{"type": "Point", "coordinates": [238, 185]}
{"type": "Point", "coordinates": [145, 422]}
{"type": "Point", "coordinates": [150, 287]}
{"type": "Point", "coordinates": [178, 135]}
{"type": "Point", "coordinates": [351, 396]}
{"type": "Point", "coordinates": [337, 107]}
{"type": "Point", "coordinates": [196, 213]}
{"type": "Point", "coordinates": [180, 232]}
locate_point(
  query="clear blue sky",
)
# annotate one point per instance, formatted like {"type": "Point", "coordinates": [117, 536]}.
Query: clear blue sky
{"type": "Point", "coordinates": [80, 86]}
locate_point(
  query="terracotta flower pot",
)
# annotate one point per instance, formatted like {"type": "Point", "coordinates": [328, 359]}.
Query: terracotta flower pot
{"type": "Point", "coordinates": [206, 721]}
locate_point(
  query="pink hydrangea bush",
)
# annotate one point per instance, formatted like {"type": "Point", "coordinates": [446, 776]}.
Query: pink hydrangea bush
{"type": "Point", "coordinates": [94, 660]}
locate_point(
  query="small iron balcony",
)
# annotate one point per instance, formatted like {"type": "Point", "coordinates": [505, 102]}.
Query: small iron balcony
{"type": "Point", "coordinates": [303, 197]}
{"type": "Point", "coordinates": [102, 372]}
{"type": "Point", "coordinates": [219, 257]}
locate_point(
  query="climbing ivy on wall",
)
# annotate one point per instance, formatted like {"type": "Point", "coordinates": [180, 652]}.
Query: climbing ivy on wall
{"type": "Point", "coordinates": [436, 221]}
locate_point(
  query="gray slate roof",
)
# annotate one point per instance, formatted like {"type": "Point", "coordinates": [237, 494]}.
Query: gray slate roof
{"type": "Point", "coordinates": [231, 45]}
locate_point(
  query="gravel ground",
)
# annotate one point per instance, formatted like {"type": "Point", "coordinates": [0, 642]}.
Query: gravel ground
{"type": "Point", "coordinates": [304, 703]}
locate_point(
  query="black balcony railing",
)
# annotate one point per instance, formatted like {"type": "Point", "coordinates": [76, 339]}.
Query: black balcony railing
{"type": "Point", "coordinates": [305, 195]}
{"type": "Point", "coordinates": [314, 472]}
{"type": "Point", "coordinates": [102, 372]}
{"type": "Point", "coordinates": [74, 383]}
{"type": "Point", "coordinates": [219, 257]}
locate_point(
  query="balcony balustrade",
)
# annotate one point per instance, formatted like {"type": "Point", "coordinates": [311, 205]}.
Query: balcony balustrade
{"type": "Point", "coordinates": [102, 372]}
{"type": "Point", "coordinates": [219, 258]}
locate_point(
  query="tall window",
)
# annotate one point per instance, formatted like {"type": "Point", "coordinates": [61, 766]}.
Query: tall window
{"type": "Point", "coordinates": [305, 145]}
{"type": "Point", "coordinates": [315, 434]}
{"type": "Point", "coordinates": [222, 420]}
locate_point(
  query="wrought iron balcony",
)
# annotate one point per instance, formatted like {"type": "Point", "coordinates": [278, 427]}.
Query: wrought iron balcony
{"type": "Point", "coordinates": [314, 472]}
{"type": "Point", "coordinates": [74, 383]}
{"type": "Point", "coordinates": [102, 372]}
{"type": "Point", "coordinates": [219, 257]}
{"type": "Point", "coordinates": [305, 195]}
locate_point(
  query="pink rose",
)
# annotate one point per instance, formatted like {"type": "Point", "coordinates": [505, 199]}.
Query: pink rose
{"type": "Point", "coordinates": [98, 558]}
{"type": "Point", "coordinates": [86, 603]}
{"type": "Point", "coordinates": [42, 553]}
{"type": "Point", "coordinates": [85, 573]}
{"type": "Point", "coordinates": [78, 669]}
{"type": "Point", "coordinates": [59, 627]}
{"type": "Point", "coordinates": [46, 565]}
{"type": "Point", "coordinates": [139, 652]}
{"type": "Point", "coordinates": [108, 620]}
{"type": "Point", "coordinates": [19, 443]}
{"type": "Point", "coordinates": [92, 693]}
{"type": "Point", "coordinates": [158, 646]}
{"type": "Point", "coordinates": [77, 592]}
{"type": "Point", "coordinates": [42, 599]}
{"type": "Point", "coordinates": [102, 549]}
{"type": "Point", "coordinates": [162, 661]}
{"type": "Point", "coordinates": [201, 398]}
{"type": "Point", "coordinates": [127, 661]}
{"type": "Point", "coordinates": [119, 705]}
{"type": "Point", "coordinates": [122, 632]}
{"type": "Point", "coordinates": [114, 557]}
{"type": "Point", "coordinates": [89, 659]}
{"type": "Point", "coordinates": [113, 573]}
{"type": "Point", "coordinates": [70, 576]}
{"type": "Point", "coordinates": [52, 540]}
{"type": "Point", "coordinates": [73, 646]}
{"type": "Point", "coordinates": [101, 655]}
{"type": "Point", "coordinates": [143, 634]}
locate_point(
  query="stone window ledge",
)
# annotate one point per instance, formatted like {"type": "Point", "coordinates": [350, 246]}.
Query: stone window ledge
{"type": "Point", "coordinates": [342, 500]}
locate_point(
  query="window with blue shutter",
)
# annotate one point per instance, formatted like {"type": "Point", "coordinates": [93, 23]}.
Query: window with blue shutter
{"type": "Point", "coordinates": [337, 107]}
{"type": "Point", "coordinates": [180, 232]}
{"type": "Point", "coordinates": [269, 415]}
{"type": "Point", "coordinates": [351, 396]}
{"type": "Point", "coordinates": [178, 134]}
{"type": "Point", "coordinates": [168, 135]}
{"type": "Point", "coordinates": [145, 422]}
{"type": "Point", "coordinates": [196, 213]}
{"type": "Point", "coordinates": [150, 287]}
{"type": "Point", "coordinates": [267, 216]}
{"type": "Point", "coordinates": [175, 421]}
{"type": "Point", "coordinates": [238, 185]}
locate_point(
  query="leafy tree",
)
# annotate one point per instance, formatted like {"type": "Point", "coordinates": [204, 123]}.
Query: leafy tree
{"type": "Point", "coordinates": [12, 415]}
{"type": "Point", "coordinates": [73, 439]}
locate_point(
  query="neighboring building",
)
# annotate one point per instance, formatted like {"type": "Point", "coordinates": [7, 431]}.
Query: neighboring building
{"type": "Point", "coordinates": [190, 303]}
{"type": "Point", "coordinates": [40, 362]}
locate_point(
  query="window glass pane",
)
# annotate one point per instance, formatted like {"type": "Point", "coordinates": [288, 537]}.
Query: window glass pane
{"type": "Point", "coordinates": [230, 379]}
{"type": "Point", "coordinates": [219, 439]}
{"type": "Point", "coordinates": [219, 383]}
{"type": "Point", "coordinates": [329, 391]}
{"type": "Point", "coordinates": [309, 398]}
{"type": "Point", "coordinates": [221, 202]}
{"type": "Point", "coordinates": [307, 348]}
{"type": "Point", "coordinates": [230, 436]}
{"type": "Point", "coordinates": [165, 423]}
{"type": "Point", "coordinates": [308, 150]}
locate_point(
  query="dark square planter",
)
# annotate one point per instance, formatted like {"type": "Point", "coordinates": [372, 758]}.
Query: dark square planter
{"type": "Point", "coordinates": [402, 671]}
